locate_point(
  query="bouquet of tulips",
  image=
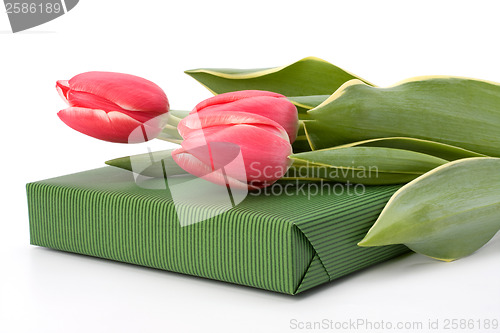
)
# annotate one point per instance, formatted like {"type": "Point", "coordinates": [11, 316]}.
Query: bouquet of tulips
{"type": "Point", "coordinates": [313, 121]}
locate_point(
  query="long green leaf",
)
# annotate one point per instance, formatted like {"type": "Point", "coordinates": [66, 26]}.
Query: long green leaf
{"type": "Point", "coordinates": [308, 76]}
{"type": "Point", "coordinates": [369, 165]}
{"type": "Point", "coordinates": [456, 111]}
{"type": "Point", "coordinates": [448, 213]}
{"type": "Point", "coordinates": [156, 164]}
{"type": "Point", "coordinates": [313, 172]}
{"type": "Point", "coordinates": [438, 149]}
{"type": "Point", "coordinates": [151, 165]}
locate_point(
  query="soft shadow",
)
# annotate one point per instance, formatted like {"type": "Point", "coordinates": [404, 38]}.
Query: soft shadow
{"type": "Point", "coordinates": [235, 288]}
{"type": "Point", "coordinates": [346, 278]}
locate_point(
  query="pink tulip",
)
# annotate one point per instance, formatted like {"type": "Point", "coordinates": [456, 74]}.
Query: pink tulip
{"type": "Point", "coordinates": [238, 149]}
{"type": "Point", "coordinates": [113, 107]}
{"type": "Point", "coordinates": [265, 103]}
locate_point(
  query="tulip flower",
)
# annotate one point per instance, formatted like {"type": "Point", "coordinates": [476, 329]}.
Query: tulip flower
{"type": "Point", "coordinates": [113, 107]}
{"type": "Point", "coordinates": [237, 149]}
{"type": "Point", "coordinates": [265, 103]}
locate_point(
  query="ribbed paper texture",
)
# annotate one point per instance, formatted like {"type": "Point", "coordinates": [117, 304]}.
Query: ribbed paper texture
{"type": "Point", "coordinates": [282, 243]}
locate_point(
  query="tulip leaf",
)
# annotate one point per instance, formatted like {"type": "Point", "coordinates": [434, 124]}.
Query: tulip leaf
{"type": "Point", "coordinates": [306, 103]}
{"type": "Point", "coordinates": [308, 76]}
{"type": "Point", "coordinates": [313, 172]}
{"type": "Point", "coordinates": [452, 110]}
{"type": "Point", "coordinates": [438, 149]}
{"type": "Point", "coordinates": [155, 164]}
{"type": "Point", "coordinates": [369, 165]}
{"type": "Point", "coordinates": [448, 213]}
{"type": "Point", "coordinates": [150, 165]}
{"type": "Point", "coordinates": [321, 136]}
{"type": "Point", "coordinates": [301, 143]}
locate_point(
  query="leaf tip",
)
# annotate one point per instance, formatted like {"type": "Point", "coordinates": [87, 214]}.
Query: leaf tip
{"type": "Point", "coordinates": [366, 243]}
{"type": "Point", "coordinates": [121, 162]}
{"type": "Point", "coordinates": [374, 239]}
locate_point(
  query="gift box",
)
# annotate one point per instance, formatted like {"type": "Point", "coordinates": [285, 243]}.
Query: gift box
{"type": "Point", "coordinates": [285, 242]}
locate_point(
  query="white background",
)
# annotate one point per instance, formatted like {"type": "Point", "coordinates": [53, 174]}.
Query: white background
{"type": "Point", "coordinates": [43, 290]}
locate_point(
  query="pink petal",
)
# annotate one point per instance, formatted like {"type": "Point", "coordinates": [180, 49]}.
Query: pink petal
{"type": "Point", "coordinates": [219, 120]}
{"type": "Point", "coordinates": [130, 92]}
{"type": "Point", "coordinates": [230, 97]}
{"type": "Point", "coordinates": [280, 110]}
{"type": "Point", "coordinates": [197, 168]}
{"type": "Point", "coordinates": [62, 87]}
{"type": "Point", "coordinates": [111, 126]}
{"type": "Point", "coordinates": [89, 101]}
{"type": "Point", "coordinates": [215, 154]}
{"type": "Point", "coordinates": [265, 154]}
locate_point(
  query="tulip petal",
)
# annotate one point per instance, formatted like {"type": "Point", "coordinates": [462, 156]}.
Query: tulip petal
{"type": "Point", "coordinates": [280, 110]}
{"type": "Point", "coordinates": [130, 92]}
{"type": "Point", "coordinates": [62, 87]}
{"type": "Point", "coordinates": [265, 154]}
{"type": "Point", "coordinates": [197, 121]}
{"type": "Point", "coordinates": [90, 101]}
{"type": "Point", "coordinates": [197, 168]}
{"type": "Point", "coordinates": [266, 103]}
{"type": "Point", "coordinates": [111, 126]}
{"type": "Point", "coordinates": [232, 97]}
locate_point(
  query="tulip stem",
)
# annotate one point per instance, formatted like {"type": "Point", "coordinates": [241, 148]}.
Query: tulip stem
{"type": "Point", "coordinates": [164, 138]}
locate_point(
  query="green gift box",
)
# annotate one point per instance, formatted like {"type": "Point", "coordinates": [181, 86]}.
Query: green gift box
{"type": "Point", "coordinates": [286, 242]}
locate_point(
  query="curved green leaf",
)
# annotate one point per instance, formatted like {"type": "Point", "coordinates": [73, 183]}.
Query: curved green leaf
{"type": "Point", "coordinates": [368, 165]}
{"type": "Point", "coordinates": [385, 159]}
{"type": "Point", "coordinates": [446, 214]}
{"type": "Point", "coordinates": [368, 176]}
{"type": "Point", "coordinates": [456, 111]}
{"type": "Point", "coordinates": [308, 76]}
{"type": "Point", "coordinates": [437, 149]}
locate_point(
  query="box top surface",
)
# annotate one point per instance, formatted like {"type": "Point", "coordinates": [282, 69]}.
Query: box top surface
{"type": "Point", "coordinates": [286, 201]}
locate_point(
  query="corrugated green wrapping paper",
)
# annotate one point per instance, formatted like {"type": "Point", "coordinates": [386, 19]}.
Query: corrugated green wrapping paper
{"type": "Point", "coordinates": [284, 243]}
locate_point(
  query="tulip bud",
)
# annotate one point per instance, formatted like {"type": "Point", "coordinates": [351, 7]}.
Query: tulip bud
{"type": "Point", "coordinates": [238, 149]}
{"type": "Point", "coordinates": [265, 103]}
{"type": "Point", "coordinates": [113, 106]}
